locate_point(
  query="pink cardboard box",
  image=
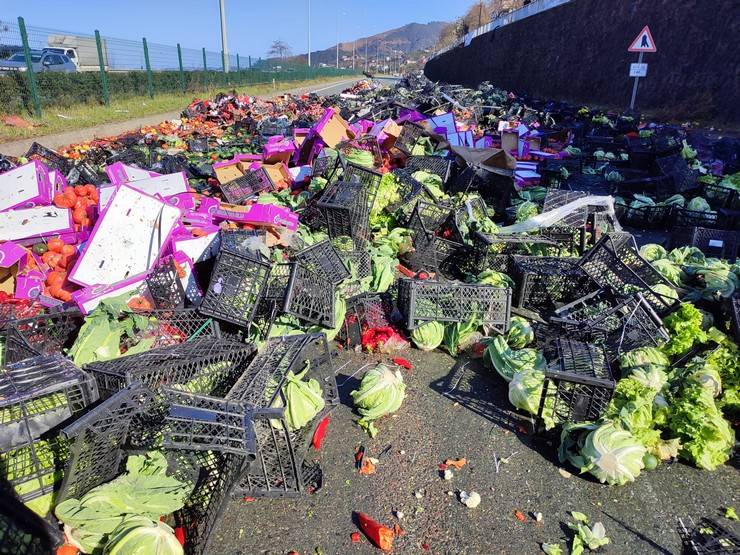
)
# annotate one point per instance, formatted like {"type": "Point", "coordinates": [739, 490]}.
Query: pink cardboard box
{"type": "Point", "coordinates": [25, 187]}
{"type": "Point", "coordinates": [34, 223]}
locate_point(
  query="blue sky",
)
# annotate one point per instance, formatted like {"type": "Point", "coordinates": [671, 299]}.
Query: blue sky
{"type": "Point", "coordinates": [252, 25]}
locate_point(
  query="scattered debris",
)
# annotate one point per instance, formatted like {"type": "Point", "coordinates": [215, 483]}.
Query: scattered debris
{"type": "Point", "coordinates": [470, 500]}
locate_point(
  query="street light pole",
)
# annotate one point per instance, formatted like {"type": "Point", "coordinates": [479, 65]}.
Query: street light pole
{"type": "Point", "coordinates": [366, 66]}
{"type": "Point", "coordinates": [224, 46]}
{"type": "Point", "coordinates": [337, 39]}
{"type": "Point", "coordinates": [354, 41]}
{"type": "Point", "coordinates": [309, 33]}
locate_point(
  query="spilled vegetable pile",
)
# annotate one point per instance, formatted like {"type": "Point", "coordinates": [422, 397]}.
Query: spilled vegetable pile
{"type": "Point", "coordinates": [178, 292]}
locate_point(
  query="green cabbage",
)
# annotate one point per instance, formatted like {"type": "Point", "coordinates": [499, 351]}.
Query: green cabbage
{"type": "Point", "coordinates": [360, 157]}
{"type": "Point", "coordinates": [686, 255]}
{"type": "Point", "coordinates": [304, 399]}
{"type": "Point", "coordinates": [507, 362]}
{"type": "Point", "coordinates": [608, 452]}
{"type": "Point", "coordinates": [652, 251]}
{"type": "Point", "coordinates": [525, 390]}
{"type": "Point", "coordinates": [706, 437]}
{"type": "Point", "coordinates": [384, 273]}
{"type": "Point", "coordinates": [428, 336]}
{"type": "Point", "coordinates": [698, 204]}
{"type": "Point", "coordinates": [432, 183]}
{"type": "Point", "coordinates": [687, 152]}
{"type": "Point", "coordinates": [669, 270]}
{"type": "Point", "coordinates": [684, 328]}
{"type": "Point", "coordinates": [526, 210]}
{"type": "Point", "coordinates": [458, 335]}
{"type": "Point", "coordinates": [494, 279]}
{"type": "Point", "coordinates": [644, 357]}
{"type": "Point", "coordinates": [386, 195]}
{"type": "Point", "coordinates": [138, 535]}
{"type": "Point", "coordinates": [520, 333]}
{"type": "Point", "coordinates": [674, 200]}
{"type": "Point", "coordinates": [381, 392]}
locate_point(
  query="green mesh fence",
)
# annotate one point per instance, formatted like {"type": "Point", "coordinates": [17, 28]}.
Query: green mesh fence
{"type": "Point", "coordinates": [68, 68]}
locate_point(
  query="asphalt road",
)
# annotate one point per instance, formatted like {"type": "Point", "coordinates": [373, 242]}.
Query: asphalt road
{"type": "Point", "coordinates": [471, 421]}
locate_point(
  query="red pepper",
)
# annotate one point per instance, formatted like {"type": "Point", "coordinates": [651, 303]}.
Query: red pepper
{"type": "Point", "coordinates": [403, 363]}
{"type": "Point", "coordinates": [318, 435]}
{"type": "Point", "coordinates": [405, 271]}
{"type": "Point", "coordinates": [356, 537]}
{"type": "Point", "coordinates": [180, 534]}
{"type": "Point", "coordinates": [380, 536]}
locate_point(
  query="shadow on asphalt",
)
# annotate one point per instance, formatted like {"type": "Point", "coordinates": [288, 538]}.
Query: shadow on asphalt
{"type": "Point", "coordinates": [639, 534]}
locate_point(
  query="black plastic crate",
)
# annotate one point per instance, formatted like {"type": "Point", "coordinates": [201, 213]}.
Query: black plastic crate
{"type": "Point", "coordinates": [205, 423]}
{"type": "Point", "coordinates": [707, 538]}
{"type": "Point", "coordinates": [735, 317]}
{"type": "Point", "coordinates": [14, 347]}
{"type": "Point", "coordinates": [615, 262]}
{"type": "Point", "coordinates": [571, 240]}
{"type": "Point", "coordinates": [719, 196]}
{"type": "Point", "coordinates": [237, 284]}
{"type": "Point", "coordinates": [367, 143]}
{"type": "Point", "coordinates": [344, 206]}
{"type": "Point", "coordinates": [203, 365]}
{"type": "Point", "coordinates": [295, 289]}
{"type": "Point", "coordinates": [408, 137]}
{"type": "Point", "coordinates": [325, 167]}
{"type": "Point", "coordinates": [556, 198]}
{"type": "Point", "coordinates": [643, 217]}
{"type": "Point", "coordinates": [422, 301]}
{"type": "Point", "coordinates": [437, 165]}
{"type": "Point", "coordinates": [683, 217]}
{"type": "Point", "coordinates": [15, 309]}
{"type": "Point", "coordinates": [22, 532]}
{"type": "Point", "coordinates": [323, 259]}
{"type": "Point", "coordinates": [38, 394]}
{"type": "Point", "coordinates": [246, 187]}
{"type": "Point", "coordinates": [212, 476]}
{"type": "Point", "coordinates": [280, 468]}
{"type": "Point", "coordinates": [165, 286]}
{"type": "Point", "coordinates": [175, 326]}
{"type": "Point", "coordinates": [50, 158]}
{"type": "Point", "coordinates": [97, 439]}
{"type": "Point", "coordinates": [496, 187]}
{"type": "Point", "coordinates": [626, 323]}
{"type": "Point", "coordinates": [675, 167]}
{"type": "Point", "coordinates": [552, 174]}
{"type": "Point", "coordinates": [593, 184]}
{"type": "Point", "coordinates": [130, 156]}
{"type": "Point", "coordinates": [370, 180]}
{"type": "Point", "coordinates": [544, 283]}
{"type": "Point", "coordinates": [716, 243]}
{"type": "Point", "coordinates": [240, 240]}
{"type": "Point", "coordinates": [578, 385]}
{"type": "Point", "coordinates": [50, 333]}
{"type": "Point", "coordinates": [409, 191]}
{"type": "Point", "coordinates": [365, 311]}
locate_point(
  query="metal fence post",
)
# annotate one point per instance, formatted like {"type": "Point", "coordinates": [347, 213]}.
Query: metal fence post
{"type": "Point", "coordinates": [223, 62]}
{"type": "Point", "coordinates": [103, 74]}
{"type": "Point", "coordinates": [29, 69]}
{"type": "Point", "coordinates": [149, 76]}
{"type": "Point", "coordinates": [250, 62]}
{"type": "Point", "coordinates": [182, 70]}
{"type": "Point", "coordinates": [205, 66]}
{"type": "Point", "coordinates": [238, 67]}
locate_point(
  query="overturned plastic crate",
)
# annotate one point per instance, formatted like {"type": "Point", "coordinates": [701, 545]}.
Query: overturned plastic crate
{"type": "Point", "coordinates": [23, 532]}
{"type": "Point", "coordinates": [205, 423]}
{"type": "Point", "coordinates": [615, 262]}
{"type": "Point", "coordinates": [246, 187]}
{"type": "Point", "coordinates": [13, 347]}
{"type": "Point", "coordinates": [554, 172]}
{"type": "Point", "coordinates": [422, 301]}
{"type": "Point", "coordinates": [677, 169]}
{"type": "Point", "coordinates": [545, 283]}
{"type": "Point", "coordinates": [369, 178]}
{"type": "Point", "coordinates": [97, 439]}
{"type": "Point", "coordinates": [344, 206]}
{"type": "Point", "coordinates": [172, 327]}
{"type": "Point", "coordinates": [409, 192]}
{"type": "Point", "coordinates": [683, 217]}
{"type": "Point", "coordinates": [718, 196]}
{"type": "Point", "coordinates": [707, 537]}
{"type": "Point", "coordinates": [50, 333]}
{"type": "Point", "coordinates": [237, 284]}
{"type": "Point", "coordinates": [37, 395]}
{"type": "Point", "coordinates": [280, 468]}
{"type": "Point", "coordinates": [203, 365]}
{"type": "Point", "coordinates": [409, 137]}
{"type": "Point", "coordinates": [578, 385]}
{"type": "Point", "coordinates": [734, 308]}
{"type": "Point", "coordinates": [296, 290]}
{"type": "Point", "coordinates": [431, 251]}
{"type": "Point", "coordinates": [323, 259]}
{"type": "Point", "coordinates": [325, 167]}
{"type": "Point", "coordinates": [717, 243]}
{"type": "Point", "coordinates": [213, 476]}
{"type": "Point", "coordinates": [653, 216]}
{"type": "Point", "coordinates": [364, 312]}
{"type": "Point", "coordinates": [366, 143]}
{"type": "Point", "coordinates": [626, 323]}
{"type": "Point", "coordinates": [50, 158]}
{"type": "Point", "coordinates": [164, 285]}
{"type": "Point", "coordinates": [17, 309]}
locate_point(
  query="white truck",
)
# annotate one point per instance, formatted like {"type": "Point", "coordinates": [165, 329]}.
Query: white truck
{"type": "Point", "coordinates": [83, 51]}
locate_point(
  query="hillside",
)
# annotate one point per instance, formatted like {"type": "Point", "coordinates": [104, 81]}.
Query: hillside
{"type": "Point", "coordinates": [414, 37]}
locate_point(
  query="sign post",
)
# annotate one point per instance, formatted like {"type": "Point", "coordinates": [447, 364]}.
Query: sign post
{"type": "Point", "coordinates": [643, 43]}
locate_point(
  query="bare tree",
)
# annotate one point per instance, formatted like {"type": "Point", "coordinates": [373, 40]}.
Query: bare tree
{"type": "Point", "coordinates": [279, 49]}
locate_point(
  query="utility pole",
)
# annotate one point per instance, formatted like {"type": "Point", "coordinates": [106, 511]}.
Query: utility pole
{"type": "Point", "coordinates": [354, 41]}
{"type": "Point", "coordinates": [366, 66]}
{"type": "Point", "coordinates": [337, 39]}
{"type": "Point", "coordinates": [309, 33]}
{"type": "Point", "coordinates": [480, 13]}
{"type": "Point", "coordinates": [224, 46]}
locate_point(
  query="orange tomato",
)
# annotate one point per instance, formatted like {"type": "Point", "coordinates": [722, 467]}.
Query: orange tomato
{"type": "Point", "coordinates": [91, 189]}
{"type": "Point", "coordinates": [63, 201]}
{"type": "Point", "coordinates": [78, 215]}
{"type": "Point", "coordinates": [68, 549]}
{"type": "Point", "coordinates": [69, 250]}
{"type": "Point", "coordinates": [139, 303]}
{"type": "Point", "coordinates": [81, 190]}
{"type": "Point", "coordinates": [51, 259]}
{"type": "Point", "coordinates": [55, 244]}
{"type": "Point", "coordinates": [55, 278]}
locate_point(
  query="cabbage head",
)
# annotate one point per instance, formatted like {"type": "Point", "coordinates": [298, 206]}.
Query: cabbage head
{"type": "Point", "coordinates": [652, 251]}
{"type": "Point", "coordinates": [526, 210]}
{"type": "Point", "coordinates": [643, 357]}
{"type": "Point", "coordinates": [140, 535]}
{"type": "Point", "coordinates": [507, 361]}
{"type": "Point", "coordinates": [520, 333]}
{"type": "Point", "coordinates": [381, 392]}
{"type": "Point", "coordinates": [432, 182]}
{"type": "Point", "coordinates": [428, 336]}
{"type": "Point", "coordinates": [608, 452]}
{"type": "Point", "coordinates": [304, 399]}
{"type": "Point", "coordinates": [686, 255]}
{"type": "Point", "coordinates": [698, 204]}
{"type": "Point", "coordinates": [494, 279]}
{"type": "Point", "coordinates": [669, 270]}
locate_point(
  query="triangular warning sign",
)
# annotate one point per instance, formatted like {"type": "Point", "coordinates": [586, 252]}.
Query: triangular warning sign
{"type": "Point", "coordinates": [644, 42]}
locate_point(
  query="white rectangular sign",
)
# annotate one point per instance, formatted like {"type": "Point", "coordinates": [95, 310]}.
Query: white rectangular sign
{"type": "Point", "coordinates": [638, 70]}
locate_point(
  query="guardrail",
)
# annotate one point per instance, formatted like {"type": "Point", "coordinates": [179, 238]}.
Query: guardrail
{"type": "Point", "coordinates": [530, 9]}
